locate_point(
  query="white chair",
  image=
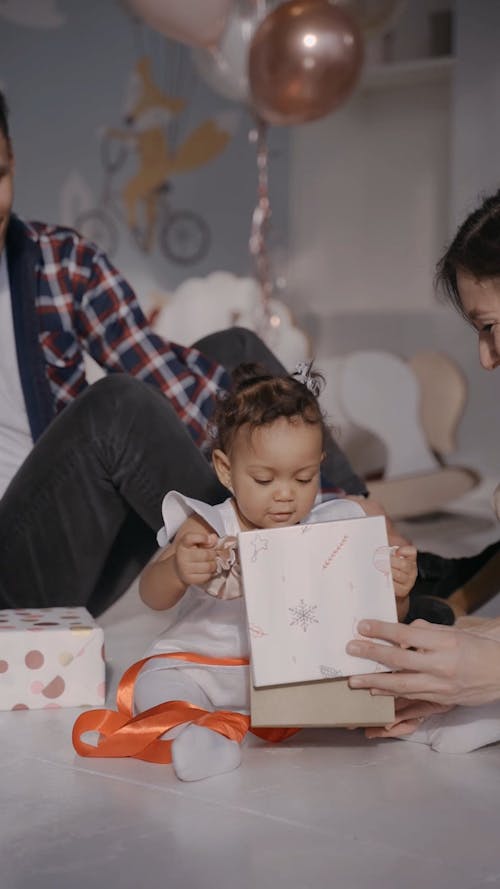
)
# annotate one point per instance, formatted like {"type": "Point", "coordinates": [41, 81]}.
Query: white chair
{"type": "Point", "coordinates": [379, 392]}
{"type": "Point", "coordinates": [443, 395]}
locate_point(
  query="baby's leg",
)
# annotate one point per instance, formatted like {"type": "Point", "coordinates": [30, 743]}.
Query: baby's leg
{"type": "Point", "coordinates": [155, 687]}
{"type": "Point", "coordinates": [197, 752]}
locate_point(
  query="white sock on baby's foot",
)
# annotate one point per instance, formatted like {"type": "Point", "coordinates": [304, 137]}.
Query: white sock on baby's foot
{"type": "Point", "coordinates": [461, 730]}
{"type": "Point", "coordinates": [199, 752]}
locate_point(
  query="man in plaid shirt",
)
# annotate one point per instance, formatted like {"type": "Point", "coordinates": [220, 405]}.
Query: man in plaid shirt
{"type": "Point", "coordinates": [83, 469]}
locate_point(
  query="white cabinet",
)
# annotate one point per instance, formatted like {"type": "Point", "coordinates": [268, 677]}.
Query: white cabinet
{"type": "Point", "coordinates": [370, 185]}
{"type": "Point", "coordinates": [414, 71]}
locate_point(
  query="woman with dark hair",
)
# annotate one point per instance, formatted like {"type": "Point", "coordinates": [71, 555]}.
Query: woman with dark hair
{"type": "Point", "coordinates": [438, 668]}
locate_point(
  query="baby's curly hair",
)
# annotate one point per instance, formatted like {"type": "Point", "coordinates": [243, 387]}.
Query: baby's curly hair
{"type": "Point", "coordinates": [257, 398]}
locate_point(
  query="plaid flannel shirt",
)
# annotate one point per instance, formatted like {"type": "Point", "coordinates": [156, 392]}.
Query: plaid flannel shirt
{"type": "Point", "coordinates": [84, 305]}
{"type": "Point", "coordinates": [68, 299]}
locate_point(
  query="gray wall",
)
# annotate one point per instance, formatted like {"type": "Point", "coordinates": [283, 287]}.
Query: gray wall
{"type": "Point", "coordinates": [64, 83]}
{"type": "Point", "coordinates": [67, 82]}
{"type": "Point", "coordinates": [475, 136]}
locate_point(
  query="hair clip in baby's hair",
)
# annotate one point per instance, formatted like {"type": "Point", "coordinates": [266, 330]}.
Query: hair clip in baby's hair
{"type": "Point", "coordinates": [313, 382]}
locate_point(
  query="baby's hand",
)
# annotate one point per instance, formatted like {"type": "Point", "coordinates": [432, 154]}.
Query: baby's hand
{"type": "Point", "coordinates": [404, 575]}
{"type": "Point", "coordinates": [195, 560]}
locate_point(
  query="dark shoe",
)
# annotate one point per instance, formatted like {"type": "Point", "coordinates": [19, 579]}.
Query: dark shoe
{"type": "Point", "coordinates": [429, 608]}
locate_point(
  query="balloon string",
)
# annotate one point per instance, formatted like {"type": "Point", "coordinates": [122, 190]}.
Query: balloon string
{"type": "Point", "coordinates": [260, 224]}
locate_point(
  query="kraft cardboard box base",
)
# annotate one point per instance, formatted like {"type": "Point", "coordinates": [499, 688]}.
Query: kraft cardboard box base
{"type": "Point", "coordinates": [324, 703]}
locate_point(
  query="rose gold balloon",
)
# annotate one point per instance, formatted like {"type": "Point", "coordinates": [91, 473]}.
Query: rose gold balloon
{"type": "Point", "coordinates": [304, 61]}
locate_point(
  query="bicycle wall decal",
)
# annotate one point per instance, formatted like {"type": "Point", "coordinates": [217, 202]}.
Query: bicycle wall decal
{"type": "Point", "coordinates": [143, 202]}
{"type": "Point", "coordinates": [183, 235]}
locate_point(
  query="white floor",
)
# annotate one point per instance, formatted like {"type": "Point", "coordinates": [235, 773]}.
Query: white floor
{"type": "Point", "coordinates": [326, 809]}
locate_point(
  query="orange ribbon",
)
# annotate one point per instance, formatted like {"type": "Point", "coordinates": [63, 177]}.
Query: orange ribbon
{"type": "Point", "coordinates": [123, 735]}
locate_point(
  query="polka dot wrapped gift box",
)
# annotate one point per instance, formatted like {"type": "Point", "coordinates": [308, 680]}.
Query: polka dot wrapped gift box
{"type": "Point", "coordinates": [50, 658]}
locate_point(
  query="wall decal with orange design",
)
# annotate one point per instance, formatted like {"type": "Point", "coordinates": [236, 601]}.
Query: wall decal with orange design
{"type": "Point", "coordinates": [183, 235]}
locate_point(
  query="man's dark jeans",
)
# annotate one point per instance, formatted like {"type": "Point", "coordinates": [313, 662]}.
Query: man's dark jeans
{"type": "Point", "coordinates": [79, 520]}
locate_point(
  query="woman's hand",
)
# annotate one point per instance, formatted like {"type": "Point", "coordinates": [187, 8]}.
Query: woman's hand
{"type": "Point", "coordinates": [444, 665]}
{"type": "Point", "coordinates": [195, 558]}
{"type": "Point", "coordinates": [409, 717]}
{"type": "Point", "coordinates": [404, 575]}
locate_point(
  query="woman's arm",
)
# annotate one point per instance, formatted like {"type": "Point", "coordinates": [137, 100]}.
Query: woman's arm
{"type": "Point", "coordinates": [189, 559]}
{"type": "Point", "coordinates": [444, 665]}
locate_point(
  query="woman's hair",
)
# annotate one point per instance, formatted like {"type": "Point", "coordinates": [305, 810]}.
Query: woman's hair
{"type": "Point", "coordinates": [258, 398]}
{"type": "Point", "coordinates": [475, 250]}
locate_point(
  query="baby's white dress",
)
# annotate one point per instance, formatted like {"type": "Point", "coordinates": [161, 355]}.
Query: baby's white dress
{"type": "Point", "coordinates": [208, 625]}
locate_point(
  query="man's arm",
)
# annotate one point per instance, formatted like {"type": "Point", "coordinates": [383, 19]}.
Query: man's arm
{"type": "Point", "coordinates": [115, 332]}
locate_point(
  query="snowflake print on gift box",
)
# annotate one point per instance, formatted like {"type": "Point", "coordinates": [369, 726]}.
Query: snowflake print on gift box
{"type": "Point", "coordinates": [330, 672]}
{"type": "Point", "coordinates": [303, 615]}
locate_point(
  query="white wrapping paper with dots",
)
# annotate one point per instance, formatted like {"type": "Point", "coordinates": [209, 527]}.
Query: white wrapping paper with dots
{"type": "Point", "coordinates": [50, 658]}
{"type": "Point", "coordinates": [306, 587]}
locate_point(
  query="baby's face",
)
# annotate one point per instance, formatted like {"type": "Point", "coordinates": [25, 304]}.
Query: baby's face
{"type": "Point", "coordinates": [275, 472]}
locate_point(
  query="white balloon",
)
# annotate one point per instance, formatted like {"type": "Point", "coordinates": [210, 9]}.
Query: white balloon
{"type": "Point", "coordinates": [195, 22]}
{"type": "Point", "coordinates": [225, 66]}
{"type": "Point", "coordinates": [201, 306]}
